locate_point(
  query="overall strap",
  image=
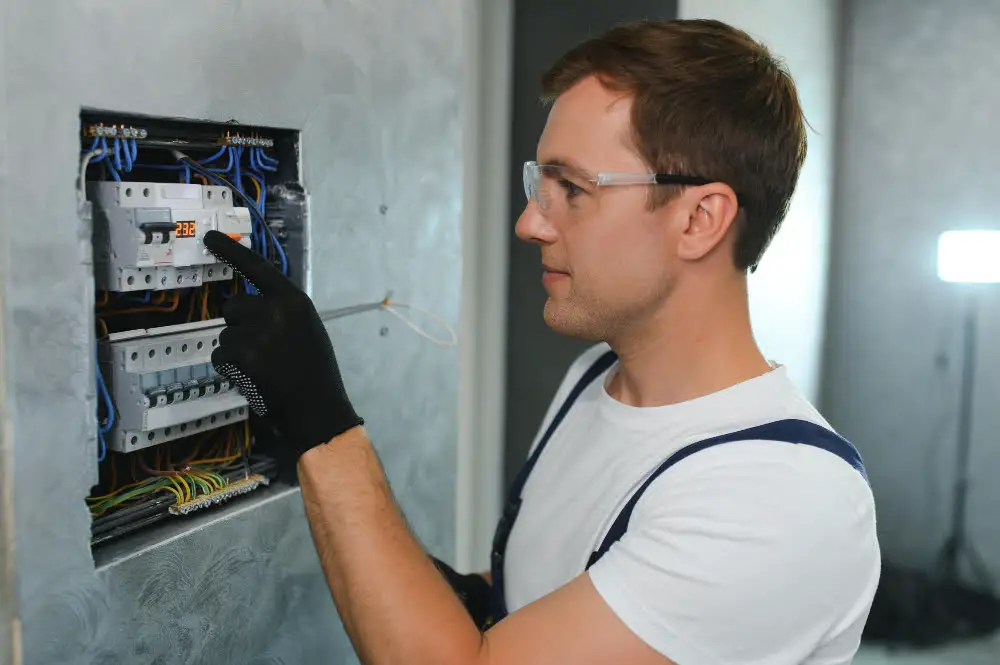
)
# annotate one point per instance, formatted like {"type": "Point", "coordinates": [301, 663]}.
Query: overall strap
{"type": "Point", "coordinates": [513, 504]}
{"type": "Point", "coordinates": [603, 363]}
{"type": "Point", "coordinates": [790, 431]}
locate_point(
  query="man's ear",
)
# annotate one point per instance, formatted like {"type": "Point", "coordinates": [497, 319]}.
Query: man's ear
{"type": "Point", "coordinates": [711, 215]}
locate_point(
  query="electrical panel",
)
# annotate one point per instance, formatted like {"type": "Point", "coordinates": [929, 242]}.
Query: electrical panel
{"type": "Point", "coordinates": [164, 386]}
{"type": "Point", "coordinates": [148, 235]}
{"type": "Point", "coordinates": [173, 436]}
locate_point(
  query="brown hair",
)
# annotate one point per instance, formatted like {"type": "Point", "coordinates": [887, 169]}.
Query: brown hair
{"type": "Point", "coordinates": [709, 101]}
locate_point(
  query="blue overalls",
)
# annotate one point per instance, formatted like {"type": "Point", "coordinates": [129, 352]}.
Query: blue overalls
{"type": "Point", "coordinates": [791, 431]}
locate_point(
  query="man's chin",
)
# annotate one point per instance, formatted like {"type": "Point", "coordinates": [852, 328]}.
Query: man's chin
{"type": "Point", "coordinates": [561, 318]}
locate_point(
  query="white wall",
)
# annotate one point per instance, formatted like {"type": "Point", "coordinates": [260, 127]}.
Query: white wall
{"type": "Point", "coordinates": [788, 291]}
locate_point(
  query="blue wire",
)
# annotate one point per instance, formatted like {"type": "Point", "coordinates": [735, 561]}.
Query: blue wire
{"type": "Point", "coordinates": [214, 157]}
{"type": "Point", "coordinates": [135, 151]}
{"type": "Point", "coordinates": [262, 157]}
{"type": "Point", "coordinates": [229, 166]}
{"type": "Point", "coordinates": [261, 206]}
{"type": "Point", "coordinates": [104, 429]}
{"type": "Point", "coordinates": [281, 253]}
{"type": "Point", "coordinates": [257, 216]}
{"type": "Point", "coordinates": [118, 155]}
{"type": "Point", "coordinates": [105, 397]}
{"type": "Point", "coordinates": [253, 159]}
{"type": "Point", "coordinates": [238, 181]}
{"type": "Point", "coordinates": [128, 156]}
{"type": "Point", "coordinates": [266, 229]}
{"type": "Point", "coordinates": [107, 162]}
{"type": "Point", "coordinates": [263, 192]}
{"type": "Point", "coordinates": [264, 166]}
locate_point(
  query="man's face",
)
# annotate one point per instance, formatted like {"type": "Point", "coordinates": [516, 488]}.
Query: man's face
{"type": "Point", "coordinates": [607, 259]}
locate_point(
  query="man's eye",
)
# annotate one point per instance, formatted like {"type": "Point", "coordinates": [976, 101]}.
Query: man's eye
{"type": "Point", "coordinates": [572, 189]}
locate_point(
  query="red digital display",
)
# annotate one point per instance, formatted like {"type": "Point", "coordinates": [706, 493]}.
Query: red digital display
{"type": "Point", "coordinates": [186, 230]}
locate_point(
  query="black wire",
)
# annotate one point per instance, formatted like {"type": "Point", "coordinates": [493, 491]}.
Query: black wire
{"type": "Point", "coordinates": [251, 204]}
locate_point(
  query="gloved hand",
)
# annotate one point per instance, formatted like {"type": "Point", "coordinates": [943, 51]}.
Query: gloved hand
{"type": "Point", "coordinates": [277, 351]}
{"type": "Point", "coordinates": [472, 590]}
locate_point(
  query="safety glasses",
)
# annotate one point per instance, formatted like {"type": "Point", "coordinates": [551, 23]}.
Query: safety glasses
{"type": "Point", "coordinates": [555, 186]}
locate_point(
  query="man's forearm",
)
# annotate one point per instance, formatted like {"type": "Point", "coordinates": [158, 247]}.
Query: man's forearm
{"type": "Point", "coordinates": [395, 605]}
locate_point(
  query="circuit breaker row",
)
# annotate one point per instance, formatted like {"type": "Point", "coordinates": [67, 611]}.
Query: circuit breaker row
{"type": "Point", "coordinates": [148, 235]}
{"type": "Point", "coordinates": [164, 387]}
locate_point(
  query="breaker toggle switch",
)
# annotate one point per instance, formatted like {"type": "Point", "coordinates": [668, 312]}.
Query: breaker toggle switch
{"type": "Point", "coordinates": [193, 388]}
{"type": "Point", "coordinates": [157, 233]}
{"type": "Point", "coordinates": [176, 392]}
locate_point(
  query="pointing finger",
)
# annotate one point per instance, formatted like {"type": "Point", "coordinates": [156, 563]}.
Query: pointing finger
{"type": "Point", "coordinates": [247, 263]}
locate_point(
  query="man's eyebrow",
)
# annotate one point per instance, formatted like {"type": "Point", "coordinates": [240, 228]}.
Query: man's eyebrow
{"type": "Point", "coordinates": [567, 164]}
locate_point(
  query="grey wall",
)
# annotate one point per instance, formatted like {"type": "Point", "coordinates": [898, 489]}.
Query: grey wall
{"type": "Point", "coordinates": [918, 156]}
{"type": "Point", "coordinates": [6, 494]}
{"type": "Point", "coordinates": [537, 358]}
{"type": "Point", "coordinates": [375, 88]}
{"type": "Point", "coordinates": [788, 291]}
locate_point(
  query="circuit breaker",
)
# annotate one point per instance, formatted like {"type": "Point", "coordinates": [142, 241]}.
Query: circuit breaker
{"type": "Point", "coordinates": [164, 385]}
{"type": "Point", "coordinates": [148, 235]}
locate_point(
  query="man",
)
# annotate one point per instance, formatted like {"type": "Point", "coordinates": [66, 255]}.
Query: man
{"type": "Point", "coordinates": [643, 530]}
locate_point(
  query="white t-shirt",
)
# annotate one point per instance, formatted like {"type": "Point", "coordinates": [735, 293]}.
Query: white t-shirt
{"type": "Point", "coordinates": [751, 552]}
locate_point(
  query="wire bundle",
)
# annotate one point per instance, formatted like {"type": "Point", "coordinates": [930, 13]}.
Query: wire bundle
{"type": "Point", "coordinates": [186, 481]}
{"type": "Point", "coordinates": [120, 158]}
{"type": "Point", "coordinates": [263, 240]}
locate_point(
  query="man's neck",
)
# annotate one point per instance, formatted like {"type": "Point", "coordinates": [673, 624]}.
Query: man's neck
{"type": "Point", "coordinates": [698, 343]}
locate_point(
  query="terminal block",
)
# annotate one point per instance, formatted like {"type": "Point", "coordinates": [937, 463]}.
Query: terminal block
{"type": "Point", "coordinates": [148, 235]}
{"type": "Point", "coordinates": [164, 387]}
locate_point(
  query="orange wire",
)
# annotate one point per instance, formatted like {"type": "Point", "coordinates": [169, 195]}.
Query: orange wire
{"type": "Point", "coordinates": [192, 301]}
{"type": "Point", "coordinates": [256, 185]}
{"type": "Point", "coordinates": [204, 303]}
{"type": "Point", "coordinates": [197, 447]}
{"type": "Point", "coordinates": [105, 297]}
{"type": "Point", "coordinates": [216, 460]}
{"type": "Point", "coordinates": [204, 180]}
{"type": "Point", "coordinates": [104, 327]}
{"type": "Point", "coordinates": [161, 296]}
{"type": "Point", "coordinates": [175, 301]}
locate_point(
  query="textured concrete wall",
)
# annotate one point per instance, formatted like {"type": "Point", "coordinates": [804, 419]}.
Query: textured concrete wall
{"type": "Point", "coordinates": [918, 156]}
{"type": "Point", "coordinates": [7, 612]}
{"type": "Point", "coordinates": [788, 291]}
{"type": "Point", "coordinates": [375, 87]}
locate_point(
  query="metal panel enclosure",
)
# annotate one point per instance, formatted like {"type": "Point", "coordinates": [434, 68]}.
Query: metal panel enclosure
{"type": "Point", "coordinates": [374, 88]}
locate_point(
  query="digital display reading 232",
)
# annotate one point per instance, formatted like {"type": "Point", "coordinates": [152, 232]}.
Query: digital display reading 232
{"type": "Point", "coordinates": [186, 230]}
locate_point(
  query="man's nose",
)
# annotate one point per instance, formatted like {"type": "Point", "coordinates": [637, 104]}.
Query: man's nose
{"type": "Point", "coordinates": [532, 226]}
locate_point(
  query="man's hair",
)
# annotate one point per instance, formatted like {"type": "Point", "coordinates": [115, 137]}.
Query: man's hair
{"type": "Point", "coordinates": [708, 100]}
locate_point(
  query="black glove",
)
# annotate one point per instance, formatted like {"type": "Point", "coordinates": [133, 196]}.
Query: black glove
{"type": "Point", "coordinates": [277, 352]}
{"type": "Point", "coordinates": [471, 589]}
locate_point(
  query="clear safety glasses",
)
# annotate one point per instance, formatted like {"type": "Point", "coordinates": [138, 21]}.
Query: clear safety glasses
{"type": "Point", "coordinates": [556, 188]}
